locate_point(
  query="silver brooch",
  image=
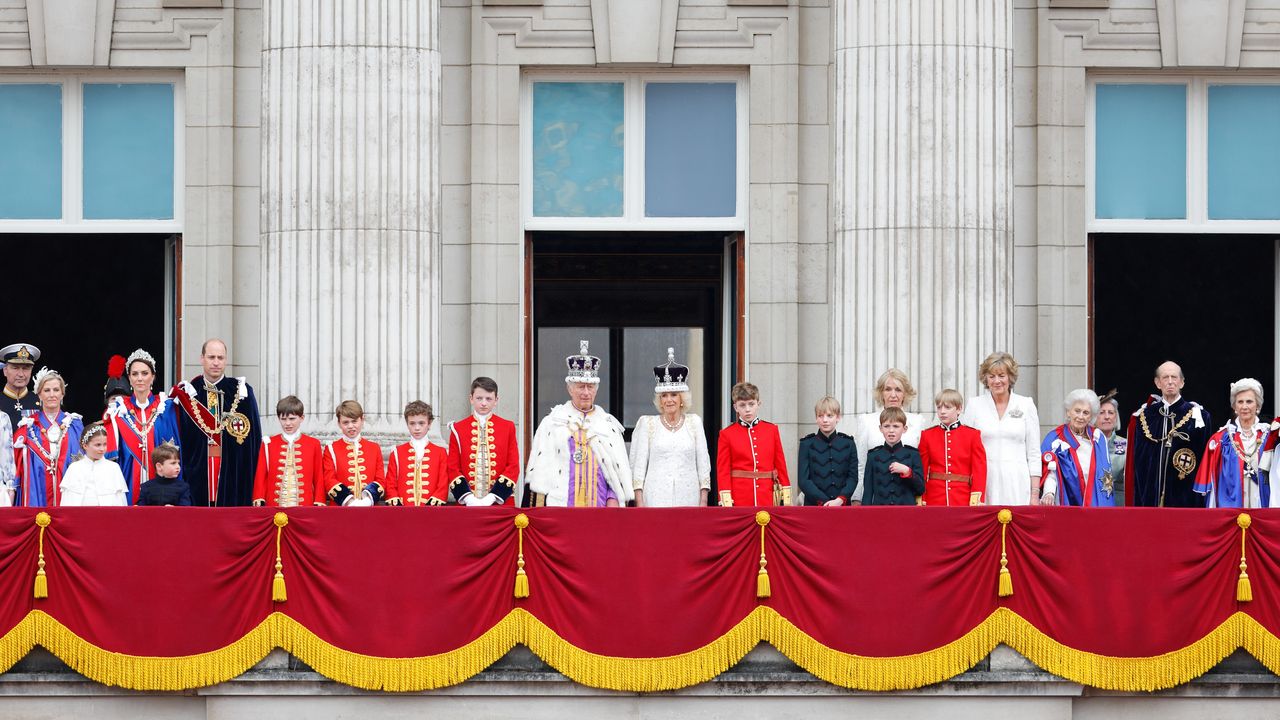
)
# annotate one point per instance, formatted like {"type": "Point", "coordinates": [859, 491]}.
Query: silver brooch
{"type": "Point", "coordinates": [1015, 413]}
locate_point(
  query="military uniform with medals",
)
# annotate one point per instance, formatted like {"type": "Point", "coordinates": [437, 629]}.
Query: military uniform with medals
{"type": "Point", "coordinates": [19, 405]}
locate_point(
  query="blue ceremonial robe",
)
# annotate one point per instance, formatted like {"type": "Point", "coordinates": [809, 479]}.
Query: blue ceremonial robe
{"type": "Point", "coordinates": [1164, 457]}
{"type": "Point", "coordinates": [239, 455]}
{"type": "Point", "coordinates": [1059, 447]}
{"type": "Point", "coordinates": [130, 440]}
{"type": "Point", "coordinates": [34, 487]}
{"type": "Point", "coordinates": [1222, 474]}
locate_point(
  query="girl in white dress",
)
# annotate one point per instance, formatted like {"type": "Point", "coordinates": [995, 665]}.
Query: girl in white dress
{"type": "Point", "coordinates": [1010, 429]}
{"type": "Point", "coordinates": [893, 389]}
{"type": "Point", "coordinates": [91, 480]}
{"type": "Point", "coordinates": [670, 466]}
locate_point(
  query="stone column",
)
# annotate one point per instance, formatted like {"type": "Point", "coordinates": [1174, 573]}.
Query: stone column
{"type": "Point", "coordinates": [350, 206]}
{"type": "Point", "coordinates": [923, 187]}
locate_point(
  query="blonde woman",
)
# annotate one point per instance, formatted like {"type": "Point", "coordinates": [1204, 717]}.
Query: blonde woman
{"type": "Point", "coordinates": [1010, 427]}
{"type": "Point", "coordinates": [670, 466]}
{"type": "Point", "coordinates": [893, 389]}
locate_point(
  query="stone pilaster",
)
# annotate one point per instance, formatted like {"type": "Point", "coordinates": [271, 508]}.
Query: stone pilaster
{"type": "Point", "coordinates": [922, 192]}
{"type": "Point", "coordinates": [350, 206]}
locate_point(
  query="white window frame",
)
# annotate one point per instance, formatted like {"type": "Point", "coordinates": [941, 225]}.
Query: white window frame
{"type": "Point", "coordinates": [73, 220]}
{"type": "Point", "coordinates": [633, 170]}
{"type": "Point", "coordinates": [1197, 201]}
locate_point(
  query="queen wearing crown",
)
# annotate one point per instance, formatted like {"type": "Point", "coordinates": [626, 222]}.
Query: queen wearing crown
{"type": "Point", "coordinates": [670, 466]}
{"type": "Point", "coordinates": [579, 456]}
{"type": "Point", "coordinates": [138, 422]}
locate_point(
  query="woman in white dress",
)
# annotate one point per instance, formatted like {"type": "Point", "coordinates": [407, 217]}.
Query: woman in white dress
{"type": "Point", "coordinates": [893, 389]}
{"type": "Point", "coordinates": [1010, 429]}
{"type": "Point", "coordinates": [670, 466]}
{"type": "Point", "coordinates": [93, 480]}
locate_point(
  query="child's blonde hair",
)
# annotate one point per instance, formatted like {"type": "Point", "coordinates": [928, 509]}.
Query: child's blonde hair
{"type": "Point", "coordinates": [949, 396]}
{"type": "Point", "coordinates": [827, 404]}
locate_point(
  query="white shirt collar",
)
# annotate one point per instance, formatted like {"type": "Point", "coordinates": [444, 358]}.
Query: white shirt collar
{"type": "Point", "coordinates": [352, 441]}
{"type": "Point", "coordinates": [291, 438]}
{"type": "Point", "coordinates": [481, 419]}
{"type": "Point", "coordinates": [1170, 404]}
{"type": "Point", "coordinates": [418, 445]}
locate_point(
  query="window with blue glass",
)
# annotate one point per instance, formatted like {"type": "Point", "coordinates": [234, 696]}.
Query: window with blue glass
{"type": "Point", "coordinates": [30, 152]}
{"type": "Point", "coordinates": [1140, 158]}
{"type": "Point", "coordinates": [690, 150]}
{"type": "Point", "coordinates": [578, 149]}
{"type": "Point", "coordinates": [128, 151]}
{"type": "Point", "coordinates": [1244, 152]}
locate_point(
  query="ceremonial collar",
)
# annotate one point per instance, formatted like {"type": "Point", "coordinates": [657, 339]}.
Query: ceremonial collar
{"type": "Point", "coordinates": [353, 441]}
{"type": "Point", "coordinates": [827, 437]}
{"type": "Point", "coordinates": [746, 424]}
{"type": "Point", "coordinates": [9, 393]}
{"type": "Point", "coordinates": [419, 445]}
{"type": "Point", "coordinates": [894, 447]}
{"type": "Point", "coordinates": [952, 426]}
{"type": "Point", "coordinates": [291, 438]}
{"type": "Point", "coordinates": [482, 419]}
{"type": "Point", "coordinates": [1170, 404]}
{"type": "Point", "coordinates": [213, 383]}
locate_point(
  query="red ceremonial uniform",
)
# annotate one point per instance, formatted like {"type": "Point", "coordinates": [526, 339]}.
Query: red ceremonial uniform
{"type": "Point", "coordinates": [351, 467]}
{"type": "Point", "coordinates": [414, 479]}
{"type": "Point", "coordinates": [289, 474]}
{"type": "Point", "coordinates": [747, 457]}
{"type": "Point", "coordinates": [471, 444]}
{"type": "Point", "coordinates": [955, 465]}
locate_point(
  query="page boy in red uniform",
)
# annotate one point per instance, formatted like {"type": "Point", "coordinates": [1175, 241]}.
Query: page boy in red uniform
{"type": "Point", "coordinates": [751, 468]}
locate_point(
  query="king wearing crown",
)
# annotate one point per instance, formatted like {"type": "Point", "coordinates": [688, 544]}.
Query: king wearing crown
{"type": "Point", "coordinates": [579, 457]}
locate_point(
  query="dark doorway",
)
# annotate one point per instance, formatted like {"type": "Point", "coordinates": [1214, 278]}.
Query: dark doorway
{"type": "Point", "coordinates": [83, 298]}
{"type": "Point", "coordinates": [631, 295]}
{"type": "Point", "coordinates": [1206, 302]}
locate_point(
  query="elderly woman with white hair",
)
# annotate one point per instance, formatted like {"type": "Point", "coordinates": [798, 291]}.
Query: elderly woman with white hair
{"type": "Point", "coordinates": [893, 389]}
{"type": "Point", "coordinates": [670, 466]}
{"type": "Point", "coordinates": [1075, 463]}
{"type": "Point", "coordinates": [1010, 427]}
{"type": "Point", "coordinates": [1235, 471]}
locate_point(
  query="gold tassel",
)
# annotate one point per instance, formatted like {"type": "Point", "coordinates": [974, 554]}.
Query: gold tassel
{"type": "Point", "coordinates": [41, 590]}
{"type": "Point", "coordinates": [278, 593]}
{"type": "Point", "coordinates": [522, 579]}
{"type": "Point", "coordinates": [1006, 579]}
{"type": "Point", "coordinates": [1244, 591]}
{"type": "Point", "coordinates": [762, 578]}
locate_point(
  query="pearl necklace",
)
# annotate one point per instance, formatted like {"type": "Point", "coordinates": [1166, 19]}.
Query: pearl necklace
{"type": "Point", "coordinates": [669, 426]}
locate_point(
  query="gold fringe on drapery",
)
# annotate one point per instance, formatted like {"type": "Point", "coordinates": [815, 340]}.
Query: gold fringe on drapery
{"type": "Point", "coordinates": [646, 674]}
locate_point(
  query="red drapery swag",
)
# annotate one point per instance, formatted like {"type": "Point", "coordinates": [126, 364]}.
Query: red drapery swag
{"type": "Point", "coordinates": [638, 600]}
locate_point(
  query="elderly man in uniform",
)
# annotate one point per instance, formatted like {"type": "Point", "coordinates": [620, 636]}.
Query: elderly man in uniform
{"type": "Point", "coordinates": [579, 457]}
{"type": "Point", "coordinates": [19, 402]}
{"type": "Point", "coordinates": [220, 432]}
{"type": "Point", "coordinates": [1167, 436]}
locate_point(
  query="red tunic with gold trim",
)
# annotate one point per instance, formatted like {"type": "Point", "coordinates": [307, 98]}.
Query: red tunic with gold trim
{"type": "Point", "coordinates": [351, 467]}
{"type": "Point", "coordinates": [955, 465]}
{"type": "Point", "coordinates": [290, 474]}
{"type": "Point", "coordinates": [417, 479]}
{"type": "Point", "coordinates": [747, 457]}
{"type": "Point", "coordinates": [483, 458]}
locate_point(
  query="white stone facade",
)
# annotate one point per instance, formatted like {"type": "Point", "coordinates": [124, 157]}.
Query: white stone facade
{"type": "Point", "coordinates": [917, 189]}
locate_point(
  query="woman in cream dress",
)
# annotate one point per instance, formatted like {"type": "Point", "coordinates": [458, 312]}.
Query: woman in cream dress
{"type": "Point", "coordinates": [893, 389]}
{"type": "Point", "coordinates": [1010, 429]}
{"type": "Point", "coordinates": [670, 466]}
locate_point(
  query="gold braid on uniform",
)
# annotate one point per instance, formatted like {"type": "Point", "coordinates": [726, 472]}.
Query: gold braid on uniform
{"type": "Point", "coordinates": [1146, 430]}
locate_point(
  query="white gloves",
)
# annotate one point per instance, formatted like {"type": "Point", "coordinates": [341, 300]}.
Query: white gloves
{"type": "Point", "coordinates": [365, 500]}
{"type": "Point", "coordinates": [471, 500]}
